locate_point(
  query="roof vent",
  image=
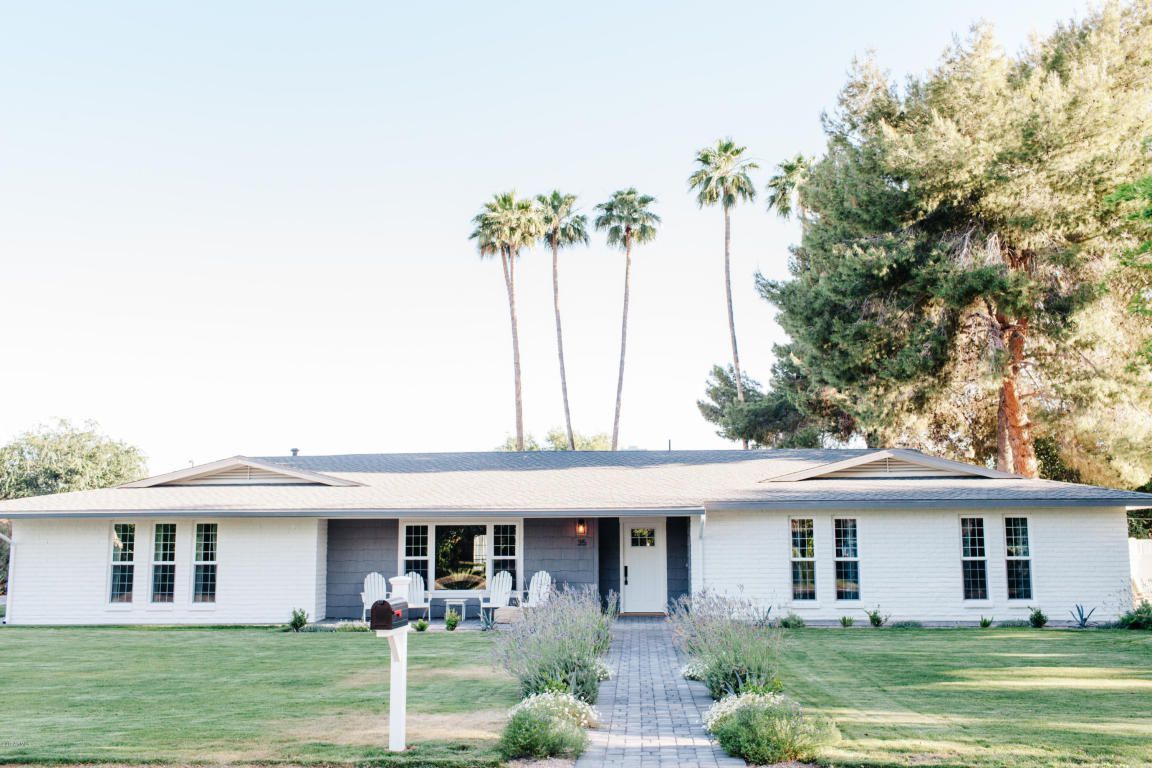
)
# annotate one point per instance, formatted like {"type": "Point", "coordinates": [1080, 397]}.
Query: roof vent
{"type": "Point", "coordinates": [295, 451]}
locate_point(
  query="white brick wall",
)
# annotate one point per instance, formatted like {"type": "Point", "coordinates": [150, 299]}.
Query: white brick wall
{"type": "Point", "coordinates": [910, 562]}
{"type": "Point", "coordinates": [267, 567]}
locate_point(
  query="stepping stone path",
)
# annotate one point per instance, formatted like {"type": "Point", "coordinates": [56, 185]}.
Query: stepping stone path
{"type": "Point", "coordinates": [651, 715]}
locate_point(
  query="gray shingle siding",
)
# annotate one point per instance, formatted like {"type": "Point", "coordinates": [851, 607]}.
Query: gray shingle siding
{"type": "Point", "coordinates": [679, 573]}
{"type": "Point", "coordinates": [355, 549]}
{"type": "Point", "coordinates": [551, 545]}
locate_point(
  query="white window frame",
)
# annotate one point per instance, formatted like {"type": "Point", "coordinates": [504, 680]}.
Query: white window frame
{"type": "Point", "coordinates": [108, 602]}
{"type": "Point", "coordinates": [153, 562]}
{"type": "Point", "coordinates": [792, 558]}
{"type": "Point", "coordinates": [202, 605]}
{"type": "Point", "coordinates": [987, 599]}
{"type": "Point", "coordinates": [1029, 557]}
{"type": "Point", "coordinates": [836, 558]}
{"type": "Point", "coordinates": [521, 584]}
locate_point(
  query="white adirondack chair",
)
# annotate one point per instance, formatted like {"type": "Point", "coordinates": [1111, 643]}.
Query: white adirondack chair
{"type": "Point", "coordinates": [417, 594]}
{"type": "Point", "coordinates": [499, 592]}
{"type": "Point", "coordinates": [375, 588]}
{"type": "Point", "coordinates": [539, 589]}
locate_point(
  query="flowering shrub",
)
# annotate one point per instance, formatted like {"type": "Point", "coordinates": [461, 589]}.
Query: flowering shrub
{"type": "Point", "coordinates": [557, 646]}
{"type": "Point", "coordinates": [603, 671]}
{"type": "Point", "coordinates": [732, 642]}
{"type": "Point", "coordinates": [767, 728]}
{"type": "Point", "coordinates": [693, 670]}
{"type": "Point", "coordinates": [563, 706]}
{"type": "Point", "coordinates": [535, 734]}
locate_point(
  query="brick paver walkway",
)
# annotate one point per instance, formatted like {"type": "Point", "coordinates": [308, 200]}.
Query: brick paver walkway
{"type": "Point", "coordinates": [651, 715]}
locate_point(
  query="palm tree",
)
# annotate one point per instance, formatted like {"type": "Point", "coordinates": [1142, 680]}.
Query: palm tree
{"type": "Point", "coordinates": [721, 176]}
{"type": "Point", "coordinates": [785, 186]}
{"type": "Point", "coordinates": [628, 221]}
{"type": "Point", "coordinates": [504, 227]}
{"type": "Point", "coordinates": [563, 227]}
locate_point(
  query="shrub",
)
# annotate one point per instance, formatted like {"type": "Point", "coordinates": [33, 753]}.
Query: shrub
{"type": "Point", "coordinates": [766, 729]}
{"type": "Point", "coordinates": [1037, 618]}
{"type": "Point", "coordinates": [1081, 617]}
{"type": "Point", "coordinates": [557, 646]}
{"type": "Point", "coordinates": [876, 618]}
{"type": "Point", "coordinates": [421, 624]}
{"type": "Point", "coordinates": [906, 625]}
{"type": "Point", "coordinates": [603, 671]}
{"type": "Point", "coordinates": [535, 734]}
{"type": "Point", "coordinates": [1137, 618]}
{"type": "Point", "coordinates": [299, 619]}
{"type": "Point", "coordinates": [847, 621]}
{"type": "Point", "coordinates": [731, 638]}
{"type": "Point", "coordinates": [564, 706]}
{"type": "Point", "coordinates": [791, 621]}
{"type": "Point", "coordinates": [698, 619]}
{"type": "Point", "coordinates": [451, 620]}
{"type": "Point", "coordinates": [693, 670]}
{"type": "Point", "coordinates": [986, 621]}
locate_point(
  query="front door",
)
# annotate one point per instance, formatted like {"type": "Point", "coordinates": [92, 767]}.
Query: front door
{"type": "Point", "coordinates": [644, 565]}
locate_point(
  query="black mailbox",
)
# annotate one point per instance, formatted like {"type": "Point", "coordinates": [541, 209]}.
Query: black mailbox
{"type": "Point", "coordinates": [389, 614]}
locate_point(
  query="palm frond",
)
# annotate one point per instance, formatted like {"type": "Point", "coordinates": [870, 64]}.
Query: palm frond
{"type": "Point", "coordinates": [722, 175]}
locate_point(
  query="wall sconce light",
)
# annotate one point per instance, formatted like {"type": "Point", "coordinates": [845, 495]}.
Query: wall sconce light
{"type": "Point", "coordinates": [581, 528]}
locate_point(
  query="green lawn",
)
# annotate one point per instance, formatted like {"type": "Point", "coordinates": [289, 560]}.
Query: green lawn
{"type": "Point", "coordinates": [968, 697]}
{"type": "Point", "coordinates": [243, 695]}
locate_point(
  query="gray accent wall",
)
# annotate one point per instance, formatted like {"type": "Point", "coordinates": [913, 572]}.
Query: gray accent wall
{"type": "Point", "coordinates": [355, 549]}
{"type": "Point", "coordinates": [679, 565]}
{"type": "Point", "coordinates": [609, 541]}
{"type": "Point", "coordinates": [551, 545]}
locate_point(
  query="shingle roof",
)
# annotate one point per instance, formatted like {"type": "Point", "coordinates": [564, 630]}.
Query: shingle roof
{"type": "Point", "coordinates": [565, 482]}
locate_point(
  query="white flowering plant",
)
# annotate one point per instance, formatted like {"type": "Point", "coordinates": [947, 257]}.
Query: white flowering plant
{"type": "Point", "coordinates": [693, 670]}
{"type": "Point", "coordinates": [729, 705]}
{"type": "Point", "coordinates": [562, 706]}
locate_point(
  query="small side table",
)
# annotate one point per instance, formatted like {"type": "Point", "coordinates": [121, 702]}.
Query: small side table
{"type": "Point", "coordinates": [457, 602]}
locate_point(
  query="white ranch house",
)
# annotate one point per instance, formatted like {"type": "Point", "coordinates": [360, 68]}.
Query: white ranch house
{"type": "Point", "coordinates": [819, 533]}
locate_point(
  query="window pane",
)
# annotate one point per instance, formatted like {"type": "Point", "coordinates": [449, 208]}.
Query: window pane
{"type": "Point", "coordinates": [504, 541]}
{"type": "Point", "coordinates": [163, 582]}
{"type": "Point", "coordinates": [643, 537]}
{"type": "Point", "coordinates": [417, 566]}
{"type": "Point", "coordinates": [847, 580]}
{"type": "Point", "coordinates": [123, 542]}
{"type": "Point", "coordinates": [204, 584]}
{"type": "Point", "coordinates": [165, 549]}
{"type": "Point", "coordinates": [975, 580]}
{"type": "Point", "coordinates": [461, 556]}
{"type": "Point", "coordinates": [206, 542]}
{"type": "Point", "coordinates": [416, 541]}
{"type": "Point", "coordinates": [1019, 579]}
{"type": "Point", "coordinates": [121, 583]}
{"type": "Point", "coordinates": [1016, 536]}
{"type": "Point", "coordinates": [846, 538]}
{"type": "Point", "coordinates": [972, 536]}
{"type": "Point", "coordinates": [803, 580]}
{"type": "Point", "coordinates": [505, 564]}
{"type": "Point", "coordinates": [802, 544]}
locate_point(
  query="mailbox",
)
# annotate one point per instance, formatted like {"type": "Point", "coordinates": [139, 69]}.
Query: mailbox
{"type": "Point", "coordinates": [387, 614]}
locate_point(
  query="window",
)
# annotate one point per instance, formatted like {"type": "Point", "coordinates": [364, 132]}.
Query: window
{"type": "Point", "coordinates": [973, 558]}
{"type": "Point", "coordinates": [461, 557]}
{"type": "Point", "coordinates": [164, 563]}
{"type": "Point", "coordinates": [204, 566]}
{"type": "Point", "coordinates": [123, 562]}
{"type": "Point", "coordinates": [847, 560]}
{"type": "Point", "coordinates": [1018, 558]}
{"type": "Point", "coordinates": [803, 561]}
{"type": "Point", "coordinates": [643, 537]}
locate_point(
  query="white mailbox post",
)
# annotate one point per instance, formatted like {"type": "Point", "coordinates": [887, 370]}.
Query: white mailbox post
{"type": "Point", "coordinates": [398, 679]}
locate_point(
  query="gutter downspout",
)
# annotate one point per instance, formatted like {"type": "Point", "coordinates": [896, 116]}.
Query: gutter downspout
{"type": "Point", "coordinates": [8, 577]}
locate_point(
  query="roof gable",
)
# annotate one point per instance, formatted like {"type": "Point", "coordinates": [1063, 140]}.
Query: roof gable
{"type": "Point", "coordinates": [890, 464]}
{"type": "Point", "coordinates": [239, 470]}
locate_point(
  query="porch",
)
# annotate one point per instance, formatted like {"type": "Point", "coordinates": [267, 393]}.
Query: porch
{"type": "Point", "coordinates": [458, 556]}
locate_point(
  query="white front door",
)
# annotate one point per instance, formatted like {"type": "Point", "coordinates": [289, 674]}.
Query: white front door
{"type": "Point", "coordinates": [644, 565]}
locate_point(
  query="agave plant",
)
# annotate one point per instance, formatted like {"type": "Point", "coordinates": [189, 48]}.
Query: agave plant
{"type": "Point", "coordinates": [1081, 618]}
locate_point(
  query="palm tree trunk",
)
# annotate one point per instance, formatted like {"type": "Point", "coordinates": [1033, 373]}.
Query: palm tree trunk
{"type": "Point", "coordinates": [507, 260]}
{"type": "Point", "coordinates": [560, 337]}
{"type": "Point", "coordinates": [623, 341]}
{"type": "Point", "coordinates": [731, 313]}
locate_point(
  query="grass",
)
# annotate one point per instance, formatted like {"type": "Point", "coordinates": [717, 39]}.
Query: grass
{"type": "Point", "coordinates": [1009, 698]}
{"type": "Point", "coordinates": [243, 695]}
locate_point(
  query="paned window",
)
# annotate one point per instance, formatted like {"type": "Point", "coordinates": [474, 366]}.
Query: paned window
{"type": "Point", "coordinates": [803, 560]}
{"type": "Point", "coordinates": [504, 551]}
{"type": "Point", "coordinates": [204, 565]}
{"type": "Point", "coordinates": [416, 551]}
{"type": "Point", "coordinates": [123, 562]}
{"type": "Point", "coordinates": [461, 557]}
{"type": "Point", "coordinates": [973, 558]}
{"type": "Point", "coordinates": [1019, 558]}
{"type": "Point", "coordinates": [164, 563]}
{"type": "Point", "coordinates": [847, 560]}
{"type": "Point", "coordinates": [643, 537]}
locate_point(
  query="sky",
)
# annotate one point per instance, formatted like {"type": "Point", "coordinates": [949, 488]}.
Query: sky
{"type": "Point", "coordinates": [240, 228]}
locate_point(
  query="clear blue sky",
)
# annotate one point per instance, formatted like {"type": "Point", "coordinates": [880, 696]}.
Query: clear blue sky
{"type": "Point", "coordinates": [242, 227]}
